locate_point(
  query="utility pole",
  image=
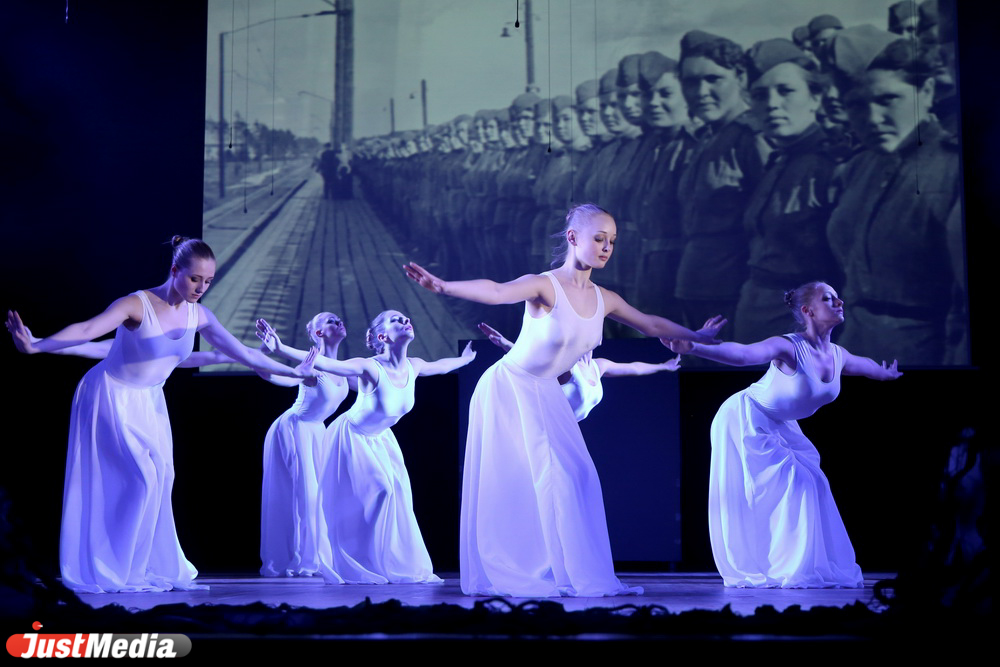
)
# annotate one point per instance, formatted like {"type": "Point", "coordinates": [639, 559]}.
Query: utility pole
{"type": "Point", "coordinates": [529, 48]}
{"type": "Point", "coordinates": [423, 100]}
{"type": "Point", "coordinates": [342, 120]}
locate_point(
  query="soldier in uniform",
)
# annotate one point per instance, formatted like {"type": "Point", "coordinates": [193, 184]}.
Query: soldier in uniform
{"type": "Point", "coordinates": [617, 184]}
{"type": "Point", "coordinates": [326, 165]}
{"type": "Point", "coordinates": [851, 51]}
{"type": "Point", "coordinates": [822, 30]}
{"type": "Point", "coordinates": [544, 190]}
{"type": "Point", "coordinates": [515, 203]}
{"type": "Point", "coordinates": [788, 213]}
{"type": "Point", "coordinates": [553, 187]}
{"type": "Point", "coordinates": [669, 146]}
{"type": "Point", "coordinates": [588, 115]}
{"type": "Point", "coordinates": [896, 230]}
{"type": "Point", "coordinates": [499, 141]}
{"type": "Point", "coordinates": [455, 197]}
{"type": "Point", "coordinates": [475, 188]}
{"type": "Point", "coordinates": [904, 18]}
{"type": "Point", "coordinates": [716, 187]}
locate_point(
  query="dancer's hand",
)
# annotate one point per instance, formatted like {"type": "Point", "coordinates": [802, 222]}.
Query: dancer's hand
{"type": "Point", "coordinates": [424, 278]}
{"type": "Point", "coordinates": [23, 340]}
{"type": "Point", "coordinates": [269, 340]}
{"type": "Point", "coordinates": [495, 336]}
{"type": "Point", "coordinates": [890, 371]}
{"type": "Point", "coordinates": [673, 364]}
{"type": "Point", "coordinates": [708, 332]}
{"type": "Point", "coordinates": [468, 352]}
{"type": "Point", "coordinates": [32, 337]}
{"type": "Point", "coordinates": [678, 347]}
{"type": "Point", "coordinates": [305, 368]}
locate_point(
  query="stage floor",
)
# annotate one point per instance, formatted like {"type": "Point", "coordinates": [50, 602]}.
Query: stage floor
{"type": "Point", "coordinates": [677, 592]}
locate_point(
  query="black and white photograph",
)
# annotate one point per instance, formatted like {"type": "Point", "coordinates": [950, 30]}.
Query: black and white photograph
{"type": "Point", "coordinates": [744, 148]}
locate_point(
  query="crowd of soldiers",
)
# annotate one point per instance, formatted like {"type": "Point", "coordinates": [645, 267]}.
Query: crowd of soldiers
{"type": "Point", "coordinates": [733, 174]}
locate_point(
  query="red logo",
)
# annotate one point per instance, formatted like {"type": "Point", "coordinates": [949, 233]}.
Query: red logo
{"type": "Point", "coordinates": [97, 645]}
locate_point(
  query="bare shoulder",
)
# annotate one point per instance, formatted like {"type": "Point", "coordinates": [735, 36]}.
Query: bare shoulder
{"type": "Point", "coordinates": [607, 294]}
{"type": "Point", "coordinates": [540, 286]}
{"type": "Point", "coordinates": [129, 307]}
{"type": "Point", "coordinates": [781, 348]}
{"type": "Point", "coordinates": [534, 279]}
{"type": "Point", "coordinates": [780, 343]}
{"type": "Point", "coordinates": [205, 316]}
{"type": "Point", "coordinates": [612, 300]}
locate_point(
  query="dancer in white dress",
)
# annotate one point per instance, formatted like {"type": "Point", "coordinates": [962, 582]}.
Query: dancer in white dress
{"type": "Point", "coordinates": [533, 520]}
{"type": "Point", "coordinates": [772, 519]}
{"type": "Point", "coordinates": [364, 487]}
{"type": "Point", "coordinates": [292, 526]}
{"type": "Point", "coordinates": [582, 384]}
{"type": "Point", "coordinates": [118, 531]}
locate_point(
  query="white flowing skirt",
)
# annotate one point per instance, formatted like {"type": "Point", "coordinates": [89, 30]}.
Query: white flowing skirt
{"type": "Point", "coordinates": [368, 505]}
{"type": "Point", "coordinates": [292, 527]}
{"type": "Point", "coordinates": [533, 522]}
{"type": "Point", "coordinates": [772, 518]}
{"type": "Point", "coordinates": [118, 531]}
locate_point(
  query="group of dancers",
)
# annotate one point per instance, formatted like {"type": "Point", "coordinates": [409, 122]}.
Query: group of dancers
{"type": "Point", "coordinates": [336, 501]}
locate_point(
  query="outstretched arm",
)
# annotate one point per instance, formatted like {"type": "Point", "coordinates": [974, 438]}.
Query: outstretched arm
{"type": "Point", "coordinates": [271, 343]}
{"type": "Point", "coordinates": [97, 349]}
{"type": "Point", "coordinates": [737, 354]}
{"type": "Point", "coordinates": [124, 309]}
{"type": "Point", "coordinates": [496, 337]}
{"type": "Point", "coordinates": [220, 338]}
{"type": "Point", "coordinates": [531, 287]}
{"type": "Point", "coordinates": [207, 358]}
{"type": "Point", "coordinates": [349, 368]}
{"type": "Point", "coordinates": [446, 365]}
{"type": "Point", "coordinates": [619, 310]}
{"type": "Point", "coordinates": [613, 369]}
{"type": "Point", "coordinates": [869, 368]}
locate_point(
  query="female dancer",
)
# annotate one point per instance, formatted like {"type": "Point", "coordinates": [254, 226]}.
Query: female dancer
{"type": "Point", "coordinates": [292, 526]}
{"type": "Point", "coordinates": [365, 490]}
{"type": "Point", "coordinates": [582, 383]}
{"type": "Point", "coordinates": [118, 530]}
{"type": "Point", "coordinates": [772, 518]}
{"type": "Point", "coordinates": [292, 529]}
{"type": "Point", "coordinates": [532, 513]}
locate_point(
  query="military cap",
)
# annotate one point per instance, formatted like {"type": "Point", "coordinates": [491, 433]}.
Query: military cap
{"type": "Point", "coordinates": [928, 14]}
{"type": "Point", "coordinates": [524, 101]}
{"type": "Point", "coordinates": [608, 82]}
{"type": "Point", "coordinates": [561, 102]}
{"type": "Point", "coordinates": [653, 65]}
{"type": "Point", "coordinates": [800, 35]}
{"type": "Point", "coordinates": [899, 12]}
{"type": "Point", "coordinates": [587, 90]}
{"type": "Point", "coordinates": [764, 55]}
{"type": "Point", "coordinates": [543, 109]}
{"type": "Point", "coordinates": [854, 48]}
{"type": "Point", "coordinates": [822, 22]}
{"type": "Point", "coordinates": [628, 70]}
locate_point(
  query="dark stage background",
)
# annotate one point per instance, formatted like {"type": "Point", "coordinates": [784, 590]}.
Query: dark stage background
{"type": "Point", "coordinates": [102, 123]}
